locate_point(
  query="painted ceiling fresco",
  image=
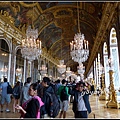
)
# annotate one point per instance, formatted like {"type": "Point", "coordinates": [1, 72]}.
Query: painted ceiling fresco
{"type": "Point", "coordinates": [50, 35]}
{"type": "Point", "coordinates": [46, 5]}
{"type": "Point", "coordinates": [56, 21]}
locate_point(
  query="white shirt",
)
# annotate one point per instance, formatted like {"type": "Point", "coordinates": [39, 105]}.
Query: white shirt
{"type": "Point", "coordinates": [81, 103]}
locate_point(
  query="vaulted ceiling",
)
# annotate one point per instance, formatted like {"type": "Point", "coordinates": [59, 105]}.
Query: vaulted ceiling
{"type": "Point", "coordinates": [57, 23]}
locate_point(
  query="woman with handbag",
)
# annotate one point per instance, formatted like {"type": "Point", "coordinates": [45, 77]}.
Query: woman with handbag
{"type": "Point", "coordinates": [31, 108]}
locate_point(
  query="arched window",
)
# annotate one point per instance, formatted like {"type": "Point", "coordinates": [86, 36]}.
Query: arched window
{"type": "Point", "coordinates": [96, 72]}
{"type": "Point", "coordinates": [115, 57]}
{"type": "Point", "coordinates": [98, 68]}
{"type": "Point", "coordinates": [106, 69]}
{"type": "Point", "coordinates": [95, 76]}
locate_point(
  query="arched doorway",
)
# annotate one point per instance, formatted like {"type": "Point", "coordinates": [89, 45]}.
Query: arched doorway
{"type": "Point", "coordinates": [4, 59]}
{"type": "Point", "coordinates": [19, 66]}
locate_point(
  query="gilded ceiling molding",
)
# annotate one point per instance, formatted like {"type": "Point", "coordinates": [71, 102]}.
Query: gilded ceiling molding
{"type": "Point", "coordinates": [8, 28]}
{"type": "Point", "coordinates": [108, 14]}
{"type": "Point", "coordinates": [40, 9]}
{"type": "Point", "coordinates": [28, 5]}
{"type": "Point", "coordinates": [4, 3]}
{"type": "Point", "coordinates": [54, 8]}
{"type": "Point", "coordinates": [32, 5]}
{"type": "Point", "coordinates": [13, 5]}
{"type": "Point", "coordinates": [46, 55]}
{"type": "Point", "coordinates": [63, 13]}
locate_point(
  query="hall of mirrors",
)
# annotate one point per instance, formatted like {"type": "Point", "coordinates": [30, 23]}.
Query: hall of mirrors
{"type": "Point", "coordinates": [104, 72]}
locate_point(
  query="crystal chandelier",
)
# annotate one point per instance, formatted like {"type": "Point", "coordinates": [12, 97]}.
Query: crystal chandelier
{"type": "Point", "coordinates": [4, 69]}
{"type": "Point", "coordinates": [81, 69]}
{"type": "Point", "coordinates": [18, 70]}
{"type": "Point", "coordinates": [31, 46]}
{"type": "Point", "coordinates": [61, 68]}
{"type": "Point", "coordinates": [43, 69]}
{"type": "Point", "coordinates": [68, 72]}
{"type": "Point", "coordinates": [79, 47]}
{"type": "Point", "coordinates": [63, 76]}
{"type": "Point", "coordinates": [73, 76]}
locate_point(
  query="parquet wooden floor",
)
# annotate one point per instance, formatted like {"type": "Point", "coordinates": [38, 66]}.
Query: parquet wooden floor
{"type": "Point", "coordinates": [98, 108]}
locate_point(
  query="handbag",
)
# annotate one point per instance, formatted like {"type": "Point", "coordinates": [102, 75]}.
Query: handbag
{"type": "Point", "coordinates": [9, 89]}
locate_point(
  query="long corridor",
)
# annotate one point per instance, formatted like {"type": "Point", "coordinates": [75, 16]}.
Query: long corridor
{"type": "Point", "coordinates": [98, 107]}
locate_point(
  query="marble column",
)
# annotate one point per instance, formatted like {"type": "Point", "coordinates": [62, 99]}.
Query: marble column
{"type": "Point", "coordinates": [24, 76]}
{"type": "Point", "coordinates": [14, 70]}
{"type": "Point", "coordinates": [29, 69]}
{"type": "Point", "coordinates": [9, 66]}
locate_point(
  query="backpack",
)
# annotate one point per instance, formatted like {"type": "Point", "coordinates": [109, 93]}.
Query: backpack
{"type": "Point", "coordinates": [63, 94]}
{"type": "Point", "coordinates": [9, 89]}
{"type": "Point", "coordinates": [54, 86]}
{"type": "Point", "coordinates": [53, 106]}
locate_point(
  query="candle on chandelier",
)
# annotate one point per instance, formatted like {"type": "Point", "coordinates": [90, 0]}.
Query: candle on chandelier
{"type": "Point", "coordinates": [23, 43]}
{"type": "Point", "coordinates": [84, 43]}
{"type": "Point", "coordinates": [87, 44]}
{"type": "Point", "coordinates": [76, 41]}
{"type": "Point", "coordinates": [71, 46]}
{"type": "Point", "coordinates": [40, 44]}
{"type": "Point", "coordinates": [74, 46]}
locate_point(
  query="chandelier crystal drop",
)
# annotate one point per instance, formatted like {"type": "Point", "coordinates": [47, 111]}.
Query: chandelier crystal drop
{"type": "Point", "coordinates": [31, 46]}
{"type": "Point", "coordinates": [79, 47]}
{"type": "Point", "coordinates": [61, 68]}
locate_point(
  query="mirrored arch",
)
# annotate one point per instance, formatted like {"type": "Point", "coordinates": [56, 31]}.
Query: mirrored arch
{"type": "Point", "coordinates": [4, 59]}
{"type": "Point", "coordinates": [115, 57]}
